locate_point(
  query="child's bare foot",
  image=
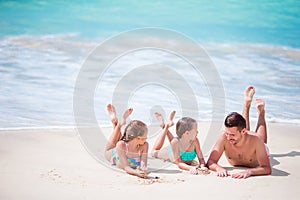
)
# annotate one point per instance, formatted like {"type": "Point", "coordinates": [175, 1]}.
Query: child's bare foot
{"type": "Point", "coordinates": [170, 120]}
{"type": "Point", "coordinates": [260, 105]}
{"type": "Point", "coordinates": [248, 95]}
{"type": "Point", "coordinates": [125, 116]}
{"type": "Point", "coordinates": [112, 114]}
{"type": "Point", "coordinates": [160, 119]}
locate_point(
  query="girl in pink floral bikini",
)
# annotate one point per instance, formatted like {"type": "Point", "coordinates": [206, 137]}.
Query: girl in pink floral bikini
{"type": "Point", "coordinates": [130, 151]}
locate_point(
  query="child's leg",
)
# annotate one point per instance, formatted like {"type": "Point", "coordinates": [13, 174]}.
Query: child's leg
{"type": "Point", "coordinates": [249, 92]}
{"type": "Point", "coordinates": [168, 124]}
{"type": "Point", "coordinates": [112, 114]}
{"type": "Point", "coordinates": [165, 132]}
{"type": "Point", "coordinates": [116, 134]}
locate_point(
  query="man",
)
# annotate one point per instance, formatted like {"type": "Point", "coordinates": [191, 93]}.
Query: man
{"type": "Point", "coordinates": [241, 146]}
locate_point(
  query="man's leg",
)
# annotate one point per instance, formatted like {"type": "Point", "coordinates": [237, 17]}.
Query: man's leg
{"type": "Point", "coordinates": [261, 128]}
{"type": "Point", "coordinates": [248, 95]}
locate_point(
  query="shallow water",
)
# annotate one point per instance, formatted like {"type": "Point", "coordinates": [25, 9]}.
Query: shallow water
{"type": "Point", "coordinates": [44, 45]}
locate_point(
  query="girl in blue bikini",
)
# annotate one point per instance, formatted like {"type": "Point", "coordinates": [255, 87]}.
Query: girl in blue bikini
{"type": "Point", "coordinates": [130, 150]}
{"type": "Point", "coordinates": [184, 148]}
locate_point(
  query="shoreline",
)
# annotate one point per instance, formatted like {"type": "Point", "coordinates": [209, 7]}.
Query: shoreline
{"type": "Point", "coordinates": [54, 164]}
{"type": "Point", "coordinates": [108, 125]}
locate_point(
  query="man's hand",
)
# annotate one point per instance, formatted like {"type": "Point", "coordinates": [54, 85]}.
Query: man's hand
{"type": "Point", "coordinates": [222, 172]}
{"type": "Point", "coordinates": [243, 174]}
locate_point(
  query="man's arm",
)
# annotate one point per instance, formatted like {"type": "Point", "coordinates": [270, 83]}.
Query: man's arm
{"type": "Point", "coordinates": [215, 155]}
{"type": "Point", "coordinates": [263, 160]}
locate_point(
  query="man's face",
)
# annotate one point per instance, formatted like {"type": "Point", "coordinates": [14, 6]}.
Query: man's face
{"type": "Point", "coordinates": [233, 135]}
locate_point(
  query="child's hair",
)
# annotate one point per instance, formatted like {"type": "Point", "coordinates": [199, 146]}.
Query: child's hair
{"type": "Point", "coordinates": [234, 119]}
{"type": "Point", "coordinates": [183, 125]}
{"type": "Point", "coordinates": [134, 129]}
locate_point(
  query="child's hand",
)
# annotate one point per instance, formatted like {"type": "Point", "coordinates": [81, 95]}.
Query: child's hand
{"type": "Point", "coordinates": [194, 170]}
{"type": "Point", "coordinates": [203, 170]}
{"type": "Point", "coordinates": [141, 173]}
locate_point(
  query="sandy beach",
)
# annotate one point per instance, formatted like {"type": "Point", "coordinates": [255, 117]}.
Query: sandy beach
{"type": "Point", "coordinates": [53, 164]}
{"type": "Point", "coordinates": [62, 62]}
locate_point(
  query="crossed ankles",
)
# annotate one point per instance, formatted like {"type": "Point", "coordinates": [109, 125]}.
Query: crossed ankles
{"type": "Point", "coordinates": [113, 116]}
{"type": "Point", "coordinates": [169, 122]}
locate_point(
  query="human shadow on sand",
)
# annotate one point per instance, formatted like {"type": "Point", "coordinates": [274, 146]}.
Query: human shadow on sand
{"type": "Point", "coordinates": [164, 171]}
{"type": "Point", "coordinates": [274, 162]}
{"type": "Point", "coordinates": [160, 166]}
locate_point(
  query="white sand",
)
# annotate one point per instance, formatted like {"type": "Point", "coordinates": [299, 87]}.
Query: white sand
{"type": "Point", "coordinates": [53, 164]}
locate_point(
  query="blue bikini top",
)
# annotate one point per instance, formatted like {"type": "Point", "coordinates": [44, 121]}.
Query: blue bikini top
{"type": "Point", "coordinates": [187, 155]}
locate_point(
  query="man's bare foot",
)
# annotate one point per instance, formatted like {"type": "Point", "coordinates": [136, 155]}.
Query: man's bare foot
{"type": "Point", "coordinates": [160, 119]}
{"type": "Point", "coordinates": [249, 93]}
{"type": "Point", "coordinates": [260, 105]}
{"type": "Point", "coordinates": [112, 114]}
{"type": "Point", "coordinates": [170, 122]}
{"type": "Point", "coordinates": [125, 116]}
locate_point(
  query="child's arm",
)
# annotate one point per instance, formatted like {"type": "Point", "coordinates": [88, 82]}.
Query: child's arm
{"type": "Point", "coordinates": [199, 154]}
{"type": "Point", "coordinates": [144, 157]}
{"type": "Point", "coordinates": [177, 160]}
{"type": "Point", "coordinates": [123, 163]}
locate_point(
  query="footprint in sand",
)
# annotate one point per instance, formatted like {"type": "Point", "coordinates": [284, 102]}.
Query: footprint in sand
{"type": "Point", "coordinates": [55, 176]}
{"type": "Point", "coordinates": [152, 180]}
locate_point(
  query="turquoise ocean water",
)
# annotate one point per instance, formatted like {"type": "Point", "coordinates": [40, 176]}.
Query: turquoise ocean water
{"type": "Point", "coordinates": [44, 43]}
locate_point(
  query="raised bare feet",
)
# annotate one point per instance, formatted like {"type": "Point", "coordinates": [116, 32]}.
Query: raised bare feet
{"type": "Point", "coordinates": [160, 119]}
{"type": "Point", "coordinates": [112, 114]}
{"type": "Point", "coordinates": [249, 93]}
{"type": "Point", "coordinates": [170, 122]}
{"type": "Point", "coordinates": [125, 116]}
{"type": "Point", "coordinates": [260, 105]}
